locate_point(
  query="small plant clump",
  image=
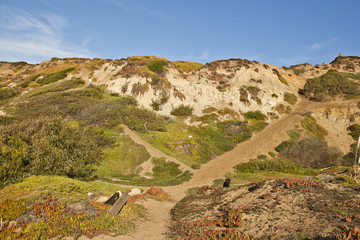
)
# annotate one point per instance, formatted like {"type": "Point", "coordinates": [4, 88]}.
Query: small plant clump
{"type": "Point", "coordinates": [290, 98]}
{"type": "Point", "coordinates": [256, 115]}
{"type": "Point", "coordinates": [182, 110]}
{"type": "Point", "coordinates": [157, 66]}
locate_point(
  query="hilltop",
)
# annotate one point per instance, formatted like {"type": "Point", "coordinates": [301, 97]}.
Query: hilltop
{"type": "Point", "coordinates": [146, 121]}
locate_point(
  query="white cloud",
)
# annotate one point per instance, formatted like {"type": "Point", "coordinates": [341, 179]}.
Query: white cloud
{"type": "Point", "coordinates": [323, 44]}
{"type": "Point", "coordinates": [33, 38]}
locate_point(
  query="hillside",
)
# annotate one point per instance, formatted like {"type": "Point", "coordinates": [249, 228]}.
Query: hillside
{"type": "Point", "coordinates": [145, 121]}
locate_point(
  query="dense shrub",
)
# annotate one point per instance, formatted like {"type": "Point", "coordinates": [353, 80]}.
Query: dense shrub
{"type": "Point", "coordinates": [54, 77]}
{"type": "Point", "coordinates": [48, 146]}
{"type": "Point", "coordinates": [313, 153]}
{"type": "Point", "coordinates": [182, 110]}
{"type": "Point", "coordinates": [257, 115]}
{"type": "Point", "coordinates": [157, 66]}
{"type": "Point", "coordinates": [331, 84]}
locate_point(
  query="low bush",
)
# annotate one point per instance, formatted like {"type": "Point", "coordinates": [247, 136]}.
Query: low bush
{"type": "Point", "coordinates": [182, 110]}
{"type": "Point", "coordinates": [257, 115]}
{"type": "Point", "coordinates": [273, 165]}
{"type": "Point", "coordinates": [290, 98]}
{"type": "Point", "coordinates": [157, 66]}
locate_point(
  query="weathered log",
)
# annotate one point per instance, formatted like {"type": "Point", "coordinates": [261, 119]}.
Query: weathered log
{"type": "Point", "coordinates": [119, 204]}
{"type": "Point", "coordinates": [112, 200]}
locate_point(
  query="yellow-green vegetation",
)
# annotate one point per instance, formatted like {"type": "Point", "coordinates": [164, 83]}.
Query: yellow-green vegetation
{"type": "Point", "coordinates": [122, 157]}
{"type": "Point", "coordinates": [54, 77]}
{"type": "Point", "coordinates": [164, 174]}
{"type": "Point", "coordinates": [312, 128]}
{"type": "Point", "coordinates": [182, 110]}
{"type": "Point", "coordinates": [54, 216]}
{"type": "Point", "coordinates": [47, 146]}
{"type": "Point", "coordinates": [66, 189]}
{"type": "Point", "coordinates": [290, 98]}
{"type": "Point", "coordinates": [157, 66]}
{"type": "Point", "coordinates": [188, 66]}
{"type": "Point", "coordinates": [260, 169]}
{"type": "Point", "coordinates": [57, 87]}
{"type": "Point", "coordinates": [331, 84]}
{"type": "Point", "coordinates": [196, 145]}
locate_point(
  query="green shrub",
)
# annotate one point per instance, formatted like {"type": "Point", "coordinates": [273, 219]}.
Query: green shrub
{"type": "Point", "coordinates": [54, 77]}
{"type": "Point", "coordinates": [47, 146]}
{"type": "Point", "coordinates": [330, 85]}
{"type": "Point", "coordinates": [290, 98]}
{"type": "Point", "coordinates": [313, 153]}
{"type": "Point", "coordinates": [283, 146]}
{"type": "Point", "coordinates": [157, 66]}
{"type": "Point", "coordinates": [182, 110]}
{"type": "Point", "coordinates": [257, 115]}
{"type": "Point", "coordinates": [274, 95]}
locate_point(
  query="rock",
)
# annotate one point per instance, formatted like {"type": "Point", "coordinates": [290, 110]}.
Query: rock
{"type": "Point", "coordinates": [12, 224]}
{"type": "Point", "coordinates": [91, 196]}
{"type": "Point", "coordinates": [135, 191]}
{"type": "Point", "coordinates": [102, 199]}
{"type": "Point", "coordinates": [28, 217]}
{"type": "Point", "coordinates": [83, 206]}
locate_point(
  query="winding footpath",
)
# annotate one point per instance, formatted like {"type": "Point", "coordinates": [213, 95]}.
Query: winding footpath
{"type": "Point", "coordinates": [158, 213]}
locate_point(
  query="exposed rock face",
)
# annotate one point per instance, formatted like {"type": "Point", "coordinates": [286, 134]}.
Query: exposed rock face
{"type": "Point", "coordinates": [229, 86]}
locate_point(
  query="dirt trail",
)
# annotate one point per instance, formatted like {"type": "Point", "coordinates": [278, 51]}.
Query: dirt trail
{"type": "Point", "coordinates": [154, 152]}
{"type": "Point", "coordinates": [261, 143]}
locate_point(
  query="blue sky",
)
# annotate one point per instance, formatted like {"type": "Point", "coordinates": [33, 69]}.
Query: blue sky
{"type": "Point", "coordinates": [280, 32]}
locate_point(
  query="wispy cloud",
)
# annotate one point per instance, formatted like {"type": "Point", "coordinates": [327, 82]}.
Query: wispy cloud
{"type": "Point", "coordinates": [133, 8]}
{"type": "Point", "coordinates": [197, 57]}
{"type": "Point", "coordinates": [324, 44]}
{"type": "Point", "coordinates": [33, 38]}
